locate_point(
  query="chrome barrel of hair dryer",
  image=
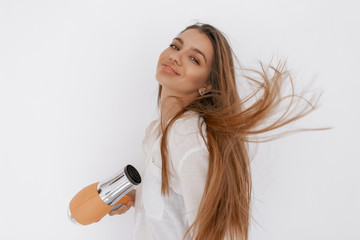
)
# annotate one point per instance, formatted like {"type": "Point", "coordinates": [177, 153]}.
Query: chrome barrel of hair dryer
{"type": "Point", "coordinates": [93, 202]}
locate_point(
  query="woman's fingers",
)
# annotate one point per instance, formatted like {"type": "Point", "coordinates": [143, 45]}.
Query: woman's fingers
{"type": "Point", "coordinates": [120, 210]}
{"type": "Point", "coordinates": [123, 209]}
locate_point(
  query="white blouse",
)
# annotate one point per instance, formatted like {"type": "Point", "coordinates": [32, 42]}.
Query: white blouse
{"type": "Point", "coordinates": [169, 217]}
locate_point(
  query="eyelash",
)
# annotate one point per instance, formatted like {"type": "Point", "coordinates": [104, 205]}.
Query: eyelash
{"type": "Point", "coordinates": [196, 61]}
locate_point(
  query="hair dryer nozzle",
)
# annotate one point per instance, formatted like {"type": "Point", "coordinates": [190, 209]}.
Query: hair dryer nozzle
{"type": "Point", "coordinates": [132, 174]}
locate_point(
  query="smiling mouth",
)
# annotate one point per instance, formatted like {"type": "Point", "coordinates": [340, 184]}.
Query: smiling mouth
{"type": "Point", "coordinates": [170, 69]}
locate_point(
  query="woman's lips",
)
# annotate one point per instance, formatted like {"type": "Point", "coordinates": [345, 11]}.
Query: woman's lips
{"type": "Point", "coordinates": [170, 69]}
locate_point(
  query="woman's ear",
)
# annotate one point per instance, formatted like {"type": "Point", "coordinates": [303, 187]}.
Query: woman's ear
{"type": "Point", "coordinates": [205, 89]}
{"type": "Point", "coordinates": [208, 88]}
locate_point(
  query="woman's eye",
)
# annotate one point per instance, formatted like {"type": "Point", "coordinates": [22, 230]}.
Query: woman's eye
{"type": "Point", "coordinates": [173, 45]}
{"type": "Point", "coordinates": [195, 60]}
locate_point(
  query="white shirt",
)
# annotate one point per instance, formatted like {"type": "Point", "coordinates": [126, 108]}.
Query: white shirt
{"type": "Point", "coordinates": [169, 217]}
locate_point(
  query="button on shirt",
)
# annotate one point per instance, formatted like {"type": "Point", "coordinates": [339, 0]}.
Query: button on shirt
{"type": "Point", "coordinates": [169, 217]}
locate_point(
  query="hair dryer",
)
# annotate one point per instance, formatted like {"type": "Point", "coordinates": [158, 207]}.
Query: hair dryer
{"type": "Point", "coordinates": [93, 202]}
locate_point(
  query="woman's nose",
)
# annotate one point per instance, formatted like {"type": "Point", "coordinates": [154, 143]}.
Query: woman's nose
{"type": "Point", "coordinates": [175, 57]}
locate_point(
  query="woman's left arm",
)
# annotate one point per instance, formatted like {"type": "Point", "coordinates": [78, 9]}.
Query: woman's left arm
{"type": "Point", "coordinates": [192, 174]}
{"type": "Point", "coordinates": [190, 159]}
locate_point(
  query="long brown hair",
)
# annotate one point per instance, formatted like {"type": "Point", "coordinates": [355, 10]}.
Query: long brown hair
{"type": "Point", "coordinates": [229, 126]}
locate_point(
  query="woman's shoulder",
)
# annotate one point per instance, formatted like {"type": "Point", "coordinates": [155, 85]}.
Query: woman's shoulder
{"type": "Point", "coordinates": [188, 128]}
{"type": "Point", "coordinates": [189, 122]}
{"type": "Point", "coordinates": [186, 137]}
{"type": "Point", "coordinates": [151, 126]}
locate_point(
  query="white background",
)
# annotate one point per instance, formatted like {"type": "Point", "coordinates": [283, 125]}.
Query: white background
{"type": "Point", "coordinates": [78, 89]}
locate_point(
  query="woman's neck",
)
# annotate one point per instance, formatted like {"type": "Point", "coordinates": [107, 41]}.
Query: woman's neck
{"type": "Point", "coordinates": [168, 109]}
{"type": "Point", "coordinates": [170, 106]}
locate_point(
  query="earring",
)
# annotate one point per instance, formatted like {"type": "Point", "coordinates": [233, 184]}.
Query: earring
{"type": "Point", "coordinates": [201, 92]}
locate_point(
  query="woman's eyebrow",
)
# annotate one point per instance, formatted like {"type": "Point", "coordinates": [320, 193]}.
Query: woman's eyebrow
{"type": "Point", "coordinates": [192, 48]}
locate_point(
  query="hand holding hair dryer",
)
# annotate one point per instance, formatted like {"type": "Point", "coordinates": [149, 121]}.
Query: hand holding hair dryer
{"type": "Point", "coordinates": [93, 202]}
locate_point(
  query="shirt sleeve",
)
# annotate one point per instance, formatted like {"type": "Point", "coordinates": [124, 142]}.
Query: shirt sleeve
{"type": "Point", "coordinates": [190, 159]}
{"type": "Point", "coordinates": [192, 178]}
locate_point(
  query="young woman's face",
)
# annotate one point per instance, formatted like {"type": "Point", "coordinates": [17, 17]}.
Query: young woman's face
{"type": "Point", "coordinates": [184, 67]}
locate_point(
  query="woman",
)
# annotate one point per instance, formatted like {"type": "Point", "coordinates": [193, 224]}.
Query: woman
{"type": "Point", "coordinates": [196, 182]}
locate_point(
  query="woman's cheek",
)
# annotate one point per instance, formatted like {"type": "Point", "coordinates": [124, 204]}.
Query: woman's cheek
{"type": "Point", "coordinates": [197, 79]}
